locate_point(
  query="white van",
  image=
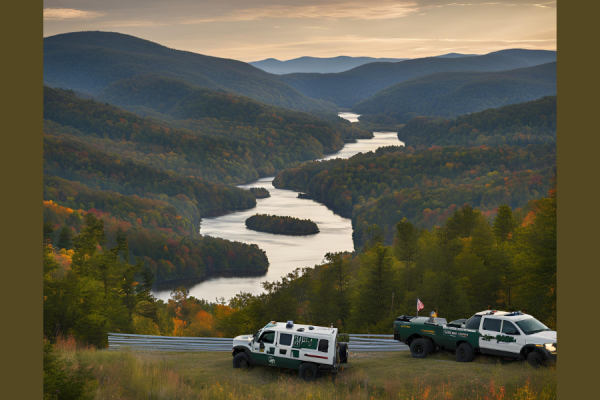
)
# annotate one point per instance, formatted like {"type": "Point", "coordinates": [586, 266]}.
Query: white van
{"type": "Point", "coordinates": [312, 350]}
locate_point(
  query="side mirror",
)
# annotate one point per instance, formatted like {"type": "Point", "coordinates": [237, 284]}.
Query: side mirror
{"type": "Point", "coordinates": [262, 344]}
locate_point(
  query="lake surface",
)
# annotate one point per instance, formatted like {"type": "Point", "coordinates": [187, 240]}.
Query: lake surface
{"type": "Point", "coordinates": [285, 253]}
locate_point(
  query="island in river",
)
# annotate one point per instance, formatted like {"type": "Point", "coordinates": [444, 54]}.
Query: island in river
{"type": "Point", "coordinates": [260, 192]}
{"type": "Point", "coordinates": [281, 225]}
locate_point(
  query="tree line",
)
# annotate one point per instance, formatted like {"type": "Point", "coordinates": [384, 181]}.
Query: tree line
{"type": "Point", "coordinates": [425, 186]}
{"type": "Point", "coordinates": [468, 264]}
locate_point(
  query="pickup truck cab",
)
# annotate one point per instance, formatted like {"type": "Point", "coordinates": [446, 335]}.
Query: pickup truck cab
{"type": "Point", "coordinates": [312, 350]}
{"type": "Point", "coordinates": [500, 333]}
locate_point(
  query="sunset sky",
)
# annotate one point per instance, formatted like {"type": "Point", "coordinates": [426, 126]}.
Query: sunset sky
{"type": "Point", "coordinates": [251, 30]}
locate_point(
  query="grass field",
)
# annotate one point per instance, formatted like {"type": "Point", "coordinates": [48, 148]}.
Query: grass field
{"type": "Point", "coordinates": [207, 375]}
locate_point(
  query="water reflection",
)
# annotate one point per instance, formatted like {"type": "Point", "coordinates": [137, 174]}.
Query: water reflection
{"type": "Point", "coordinates": [349, 116]}
{"type": "Point", "coordinates": [285, 253]}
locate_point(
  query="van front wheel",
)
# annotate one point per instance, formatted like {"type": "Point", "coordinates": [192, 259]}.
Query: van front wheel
{"type": "Point", "coordinates": [308, 371]}
{"type": "Point", "coordinates": [241, 361]}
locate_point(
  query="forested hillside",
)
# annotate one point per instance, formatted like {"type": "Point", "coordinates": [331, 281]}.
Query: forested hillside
{"type": "Point", "coordinates": [90, 61]}
{"type": "Point", "coordinates": [165, 242]}
{"type": "Point", "coordinates": [146, 180]}
{"type": "Point", "coordinates": [453, 93]}
{"type": "Point", "coordinates": [347, 88]}
{"type": "Point", "coordinates": [516, 124]}
{"type": "Point", "coordinates": [425, 186]}
{"type": "Point", "coordinates": [218, 147]}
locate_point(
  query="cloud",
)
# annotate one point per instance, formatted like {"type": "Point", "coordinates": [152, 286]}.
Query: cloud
{"type": "Point", "coordinates": [57, 14]}
{"type": "Point", "coordinates": [344, 10]}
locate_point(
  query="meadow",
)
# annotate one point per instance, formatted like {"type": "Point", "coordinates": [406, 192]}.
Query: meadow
{"type": "Point", "coordinates": [132, 374]}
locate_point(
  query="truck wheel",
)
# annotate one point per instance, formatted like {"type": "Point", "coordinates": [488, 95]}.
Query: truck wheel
{"type": "Point", "coordinates": [308, 371]}
{"type": "Point", "coordinates": [419, 348]}
{"type": "Point", "coordinates": [534, 359]}
{"type": "Point", "coordinates": [464, 353]}
{"type": "Point", "coordinates": [343, 347]}
{"type": "Point", "coordinates": [241, 361]}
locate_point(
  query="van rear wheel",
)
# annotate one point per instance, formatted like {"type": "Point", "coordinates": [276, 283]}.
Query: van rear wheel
{"type": "Point", "coordinates": [308, 371]}
{"type": "Point", "coordinates": [343, 348]}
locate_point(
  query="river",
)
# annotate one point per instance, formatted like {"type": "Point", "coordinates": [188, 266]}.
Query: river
{"type": "Point", "coordinates": [285, 253]}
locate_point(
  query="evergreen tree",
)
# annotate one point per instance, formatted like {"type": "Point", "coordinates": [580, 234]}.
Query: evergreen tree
{"type": "Point", "coordinates": [504, 223]}
{"type": "Point", "coordinates": [339, 268]}
{"type": "Point", "coordinates": [406, 245]}
{"type": "Point", "coordinates": [376, 282]}
{"type": "Point", "coordinates": [462, 222]}
{"type": "Point", "coordinates": [48, 229]}
{"type": "Point", "coordinates": [65, 240]}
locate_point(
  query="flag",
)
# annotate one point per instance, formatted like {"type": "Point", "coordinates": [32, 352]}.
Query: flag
{"type": "Point", "coordinates": [420, 305]}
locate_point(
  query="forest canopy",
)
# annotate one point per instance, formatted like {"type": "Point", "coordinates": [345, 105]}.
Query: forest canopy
{"type": "Point", "coordinates": [424, 186]}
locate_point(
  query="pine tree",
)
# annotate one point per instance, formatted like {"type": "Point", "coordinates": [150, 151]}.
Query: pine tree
{"type": "Point", "coordinates": [375, 285]}
{"type": "Point", "coordinates": [65, 240]}
{"type": "Point", "coordinates": [504, 223]}
{"type": "Point", "coordinates": [406, 244]}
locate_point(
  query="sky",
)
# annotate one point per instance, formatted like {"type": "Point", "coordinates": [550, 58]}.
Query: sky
{"type": "Point", "coordinates": [252, 30]}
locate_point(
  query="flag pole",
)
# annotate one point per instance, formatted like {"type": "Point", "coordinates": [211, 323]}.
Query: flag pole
{"type": "Point", "coordinates": [417, 307]}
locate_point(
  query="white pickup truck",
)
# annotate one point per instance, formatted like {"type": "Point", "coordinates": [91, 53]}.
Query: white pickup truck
{"type": "Point", "coordinates": [507, 334]}
{"type": "Point", "coordinates": [312, 350]}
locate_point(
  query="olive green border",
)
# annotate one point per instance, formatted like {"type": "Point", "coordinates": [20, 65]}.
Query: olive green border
{"type": "Point", "coordinates": [577, 201]}
{"type": "Point", "coordinates": [578, 237]}
{"type": "Point", "coordinates": [21, 194]}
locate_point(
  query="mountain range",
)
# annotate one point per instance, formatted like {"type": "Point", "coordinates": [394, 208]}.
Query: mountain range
{"type": "Point", "coordinates": [451, 94]}
{"type": "Point", "coordinates": [90, 61]}
{"type": "Point", "coordinates": [328, 64]}
{"type": "Point", "coordinates": [347, 88]}
{"type": "Point", "coordinates": [316, 64]}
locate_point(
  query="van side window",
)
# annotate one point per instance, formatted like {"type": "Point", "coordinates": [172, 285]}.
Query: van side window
{"type": "Point", "coordinates": [509, 328]}
{"type": "Point", "coordinates": [324, 345]}
{"type": "Point", "coordinates": [285, 339]}
{"type": "Point", "coordinates": [474, 322]}
{"type": "Point", "coordinates": [493, 325]}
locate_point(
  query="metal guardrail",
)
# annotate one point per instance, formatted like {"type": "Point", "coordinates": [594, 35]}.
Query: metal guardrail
{"type": "Point", "coordinates": [371, 342]}
{"type": "Point", "coordinates": [118, 341]}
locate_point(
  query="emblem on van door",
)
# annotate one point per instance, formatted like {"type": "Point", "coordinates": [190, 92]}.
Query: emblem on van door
{"type": "Point", "coordinates": [272, 360]}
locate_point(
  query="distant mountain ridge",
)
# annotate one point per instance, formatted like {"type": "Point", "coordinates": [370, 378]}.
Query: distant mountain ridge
{"type": "Point", "coordinates": [317, 64]}
{"type": "Point", "coordinates": [90, 61]}
{"type": "Point", "coordinates": [450, 94]}
{"type": "Point", "coordinates": [324, 65]}
{"type": "Point", "coordinates": [347, 88]}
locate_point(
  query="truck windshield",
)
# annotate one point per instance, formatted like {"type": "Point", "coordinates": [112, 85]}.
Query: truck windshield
{"type": "Point", "coordinates": [473, 322]}
{"type": "Point", "coordinates": [531, 325]}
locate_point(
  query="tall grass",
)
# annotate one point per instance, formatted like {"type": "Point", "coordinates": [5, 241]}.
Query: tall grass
{"type": "Point", "coordinates": [174, 375]}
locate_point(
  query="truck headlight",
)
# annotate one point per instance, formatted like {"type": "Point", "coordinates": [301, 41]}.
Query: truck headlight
{"type": "Point", "coordinates": [551, 347]}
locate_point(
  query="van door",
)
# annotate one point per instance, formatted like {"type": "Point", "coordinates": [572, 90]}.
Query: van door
{"type": "Point", "coordinates": [263, 348]}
